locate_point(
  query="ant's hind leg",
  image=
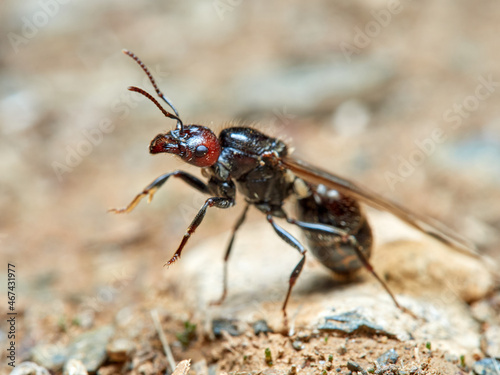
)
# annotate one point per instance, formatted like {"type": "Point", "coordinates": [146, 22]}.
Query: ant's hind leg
{"type": "Point", "coordinates": [292, 241]}
{"type": "Point", "coordinates": [151, 189]}
{"type": "Point", "coordinates": [349, 238]}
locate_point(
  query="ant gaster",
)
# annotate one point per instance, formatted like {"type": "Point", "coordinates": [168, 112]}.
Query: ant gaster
{"type": "Point", "coordinates": [260, 168]}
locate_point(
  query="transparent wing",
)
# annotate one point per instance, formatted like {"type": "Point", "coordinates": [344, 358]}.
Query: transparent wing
{"type": "Point", "coordinates": [429, 226]}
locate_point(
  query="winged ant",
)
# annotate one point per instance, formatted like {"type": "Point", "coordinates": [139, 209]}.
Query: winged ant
{"type": "Point", "coordinates": [260, 168]}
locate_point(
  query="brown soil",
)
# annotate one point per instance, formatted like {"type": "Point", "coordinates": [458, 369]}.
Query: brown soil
{"type": "Point", "coordinates": [79, 268]}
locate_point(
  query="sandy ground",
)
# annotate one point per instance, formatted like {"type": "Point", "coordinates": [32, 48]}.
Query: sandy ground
{"type": "Point", "coordinates": [400, 96]}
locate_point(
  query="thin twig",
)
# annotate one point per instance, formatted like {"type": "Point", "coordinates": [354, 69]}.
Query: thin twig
{"type": "Point", "coordinates": [163, 339]}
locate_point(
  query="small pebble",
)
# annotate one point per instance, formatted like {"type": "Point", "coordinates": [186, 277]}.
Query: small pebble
{"type": "Point", "coordinates": [50, 356]}
{"type": "Point", "coordinates": [146, 369]}
{"type": "Point", "coordinates": [451, 357]}
{"type": "Point", "coordinates": [352, 322]}
{"type": "Point", "coordinates": [303, 336]}
{"type": "Point", "coordinates": [353, 366]}
{"type": "Point", "coordinates": [486, 366]}
{"type": "Point", "coordinates": [297, 345]}
{"type": "Point", "coordinates": [74, 367]}
{"type": "Point", "coordinates": [29, 368]}
{"type": "Point", "coordinates": [120, 350]}
{"type": "Point", "coordinates": [389, 357]}
{"type": "Point", "coordinates": [111, 369]}
{"type": "Point", "coordinates": [490, 341]}
{"type": "Point", "coordinates": [199, 367]}
{"type": "Point", "coordinates": [228, 325]}
{"type": "Point", "coordinates": [260, 326]}
{"type": "Point", "coordinates": [90, 347]}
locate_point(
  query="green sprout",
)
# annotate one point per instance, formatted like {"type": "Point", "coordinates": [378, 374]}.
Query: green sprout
{"type": "Point", "coordinates": [269, 357]}
{"type": "Point", "coordinates": [188, 335]}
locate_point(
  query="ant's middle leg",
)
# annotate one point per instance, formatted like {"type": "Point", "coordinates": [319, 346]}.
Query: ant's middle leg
{"type": "Point", "coordinates": [226, 257]}
{"type": "Point", "coordinates": [151, 189]}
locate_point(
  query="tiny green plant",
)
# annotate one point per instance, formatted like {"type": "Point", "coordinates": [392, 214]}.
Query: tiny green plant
{"type": "Point", "coordinates": [269, 357]}
{"type": "Point", "coordinates": [188, 335]}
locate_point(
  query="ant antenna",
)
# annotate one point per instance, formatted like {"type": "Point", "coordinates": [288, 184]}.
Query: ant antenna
{"type": "Point", "coordinates": [153, 82]}
{"type": "Point", "coordinates": [167, 114]}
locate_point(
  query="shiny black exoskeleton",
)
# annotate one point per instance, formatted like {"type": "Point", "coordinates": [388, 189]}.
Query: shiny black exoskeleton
{"type": "Point", "coordinates": [243, 160]}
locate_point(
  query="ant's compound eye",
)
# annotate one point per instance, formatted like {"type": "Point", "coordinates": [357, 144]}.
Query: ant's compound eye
{"type": "Point", "coordinates": [200, 151]}
{"type": "Point", "coordinates": [197, 145]}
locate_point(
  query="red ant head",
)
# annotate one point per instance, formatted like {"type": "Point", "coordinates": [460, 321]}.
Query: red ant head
{"type": "Point", "coordinates": [195, 144]}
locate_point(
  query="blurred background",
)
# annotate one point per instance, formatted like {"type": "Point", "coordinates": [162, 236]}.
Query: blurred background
{"type": "Point", "coordinates": [400, 96]}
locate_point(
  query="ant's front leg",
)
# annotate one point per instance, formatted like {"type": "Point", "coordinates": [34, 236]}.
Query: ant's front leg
{"type": "Point", "coordinates": [151, 189]}
{"type": "Point", "coordinates": [218, 202]}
